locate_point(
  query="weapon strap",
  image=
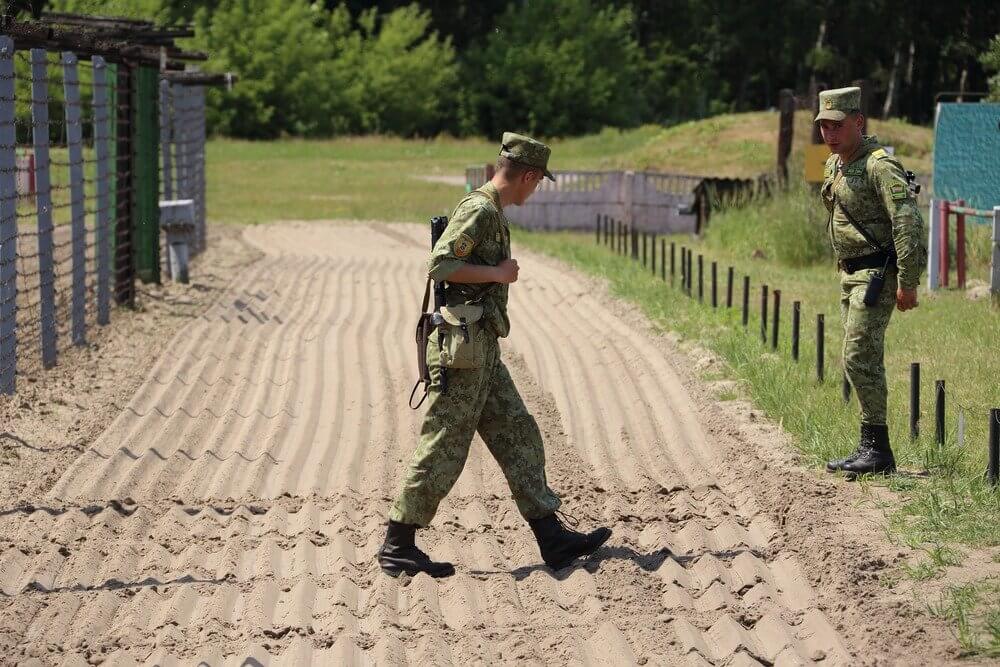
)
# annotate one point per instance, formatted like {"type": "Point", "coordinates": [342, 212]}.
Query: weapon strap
{"type": "Point", "coordinates": [861, 230]}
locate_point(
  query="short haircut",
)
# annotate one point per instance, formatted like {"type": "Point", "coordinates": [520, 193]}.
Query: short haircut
{"type": "Point", "coordinates": [513, 168]}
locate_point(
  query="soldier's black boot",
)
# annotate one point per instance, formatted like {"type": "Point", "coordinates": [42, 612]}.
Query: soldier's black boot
{"type": "Point", "coordinates": [877, 459]}
{"type": "Point", "coordinates": [560, 545]}
{"type": "Point", "coordinates": [400, 554]}
{"type": "Point", "coordinates": [865, 441]}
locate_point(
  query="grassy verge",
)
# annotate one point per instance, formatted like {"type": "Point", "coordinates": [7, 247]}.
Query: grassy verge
{"type": "Point", "coordinates": [944, 502]}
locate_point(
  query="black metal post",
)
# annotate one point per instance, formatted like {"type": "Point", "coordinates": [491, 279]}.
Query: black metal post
{"type": "Point", "coordinates": [729, 288]}
{"type": "Point", "coordinates": [644, 243]}
{"type": "Point", "coordinates": [715, 285]}
{"type": "Point", "coordinates": [796, 323]}
{"type": "Point", "coordinates": [746, 301]}
{"type": "Point", "coordinates": [673, 249]}
{"type": "Point", "coordinates": [939, 412]}
{"type": "Point", "coordinates": [763, 313]}
{"type": "Point", "coordinates": [663, 261]}
{"type": "Point", "coordinates": [777, 316]}
{"type": "Point", "coordinates": [701, 278]}
{"type": "Point", "coordinates": [652, 253]}
{"type": "Point", "coordinates": [993, 471]}
{"type": "Point", "coordinates": [690, 270]}
{"type": "Point", "coordinates": [597, 228]}
{"type": "Point", "coordinates": [914, 401]}
{"type": "Point", "coordinates": [820, 346]}
{"type": "Point", "coordinates": [684, 269]}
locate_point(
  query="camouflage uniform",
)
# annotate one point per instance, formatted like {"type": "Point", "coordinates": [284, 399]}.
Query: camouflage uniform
{"type": "Point", "coordinates": [872, 187]}
{"type": "Point", "coordinates": [482, 399]}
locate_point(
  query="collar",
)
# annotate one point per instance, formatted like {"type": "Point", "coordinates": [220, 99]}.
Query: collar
{"type": "Point", "coordinates": [491, 191]}
{"type": "Point", "coordinates": [868, 144]}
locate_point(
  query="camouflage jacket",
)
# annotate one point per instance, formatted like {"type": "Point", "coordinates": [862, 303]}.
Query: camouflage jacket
{"type": "Point", "coordinates": [872, 187]}
{"type": "Point", "coordinates": [477, 233]}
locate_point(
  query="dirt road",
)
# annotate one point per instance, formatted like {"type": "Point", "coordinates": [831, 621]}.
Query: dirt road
{"type": "Point", "coordinates": [230, 512]}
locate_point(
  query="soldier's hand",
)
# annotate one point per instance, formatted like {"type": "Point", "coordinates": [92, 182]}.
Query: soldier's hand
{"type": "Point", "coordinates": [507, 271]}
{"type": "Point", "coordinates": [906, 299]}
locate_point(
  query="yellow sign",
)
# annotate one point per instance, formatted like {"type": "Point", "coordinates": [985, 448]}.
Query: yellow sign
{"type": "Point", "coordinates": [816, 155]}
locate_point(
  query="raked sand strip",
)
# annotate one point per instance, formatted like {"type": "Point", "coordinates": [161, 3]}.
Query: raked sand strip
{"type": "Point", "coordinates": [231, 512]}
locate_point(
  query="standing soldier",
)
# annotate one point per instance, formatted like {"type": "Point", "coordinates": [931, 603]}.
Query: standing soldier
{"type": "Point", "coordinates": [877, 235]}
{"type": "Point", "coordinates": [473, 256]}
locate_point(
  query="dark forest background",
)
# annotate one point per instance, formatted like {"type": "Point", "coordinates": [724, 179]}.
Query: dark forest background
{"type": "Point", "coordinates": [565, 67]}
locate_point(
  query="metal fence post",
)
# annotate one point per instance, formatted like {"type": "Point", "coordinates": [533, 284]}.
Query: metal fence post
{"type": "Point", "coordinates": [820, 346]}
{"type": "Point", "coordinates": [102, 117]}
{"type": "Point", "coordinates": [8, 220]}
{"type": "Point", "coordinates": [74, 137]}
{"type": "Point", "coordinates": [995, 272]}
{"type": "Point", "coordinates": [202, 136]}
{"type": "Point", "coordinates": [43, 206]}
{"type": "Point", "coordinates": [796, 324]}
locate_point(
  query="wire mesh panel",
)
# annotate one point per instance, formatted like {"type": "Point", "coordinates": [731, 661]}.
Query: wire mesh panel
{"type": "Point", "coordinates": [68, 189]}
{"type": "Point", "coordinates": [79, 169]}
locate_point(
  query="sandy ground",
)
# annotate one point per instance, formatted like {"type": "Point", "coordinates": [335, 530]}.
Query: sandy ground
{"type": "Point", "coordinates": [209, 486]}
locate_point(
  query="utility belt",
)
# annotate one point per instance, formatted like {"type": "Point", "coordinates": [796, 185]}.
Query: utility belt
{"type": "Point", "coordinates": [877, 260]}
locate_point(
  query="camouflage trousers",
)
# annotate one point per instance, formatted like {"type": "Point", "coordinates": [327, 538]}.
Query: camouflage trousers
{"type": "Point", "coordinates": [482, 400]}
{"type": "Point", "coordinates": [864, 341]}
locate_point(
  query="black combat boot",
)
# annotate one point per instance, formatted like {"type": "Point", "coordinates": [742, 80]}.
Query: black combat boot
{"type": "Point", "coordinates": [877, 459]}
{"type": "Point", "coordinates": [560, 545]}
{"type": "Point", "coordinates": [865, 441]}
{"type": "Point", "coordinates": [399, 554]}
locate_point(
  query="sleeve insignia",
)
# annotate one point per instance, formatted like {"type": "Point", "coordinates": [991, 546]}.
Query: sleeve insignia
{"type": "Point", "coordinates": [463, 245]}
{"type": "Point", "coordinates": [880, 153]}
{"type": "Point", "coordinates": [898, 191]}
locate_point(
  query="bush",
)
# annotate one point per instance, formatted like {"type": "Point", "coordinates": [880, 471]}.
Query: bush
{"type": "Point", "coordinates": [790, 227]}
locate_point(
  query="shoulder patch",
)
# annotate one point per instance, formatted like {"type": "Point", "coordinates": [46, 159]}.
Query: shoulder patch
{"type": "Point", "coordinates": [463, 245]}
{"type": "Point", "coordinates": [880, 153]}
{"type": "Point", "coordinates": [898, 191]}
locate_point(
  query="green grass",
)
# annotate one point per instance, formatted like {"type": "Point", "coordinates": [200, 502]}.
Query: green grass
{"type": "Point", "coordinates": [947, 502]}
{"type": "Point", "coordinates": [368, 178]}
{"type": "Point", "coordinates": [974, 612]}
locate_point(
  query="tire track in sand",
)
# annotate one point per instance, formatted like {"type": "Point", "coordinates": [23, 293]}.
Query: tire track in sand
{"type": "Point", "coordinates": [272, 560]}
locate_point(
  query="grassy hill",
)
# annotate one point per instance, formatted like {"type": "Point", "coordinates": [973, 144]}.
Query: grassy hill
{"type": "Point", "coordinates": [397, 179]}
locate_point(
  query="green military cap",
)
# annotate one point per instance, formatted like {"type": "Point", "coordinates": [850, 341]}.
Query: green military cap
{"type": "Point", "coordinates": [837, 103]}
{"type": "Point", "coordinates": [527, 151]}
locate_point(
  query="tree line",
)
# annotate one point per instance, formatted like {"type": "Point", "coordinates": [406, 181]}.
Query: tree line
{"type": "Point", "coordinates": [565, 67]}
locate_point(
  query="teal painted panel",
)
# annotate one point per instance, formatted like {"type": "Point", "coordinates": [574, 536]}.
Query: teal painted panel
{"type": "Point", "coordinates": [967, 154]}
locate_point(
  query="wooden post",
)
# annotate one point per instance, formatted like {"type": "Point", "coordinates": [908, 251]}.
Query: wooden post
{"type": "Point", "coordinates": [865, 101]}
{"type": "Point", "coordinates": [817, 137]}
{"type": "Point", "coordinates": [786, 130]}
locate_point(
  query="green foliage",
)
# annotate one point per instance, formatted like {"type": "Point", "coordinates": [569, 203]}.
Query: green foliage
{"type": "Point", "coordinates": [991, 61]}
{"type": "Point", "coordinates": [306, 71]}
{"type": "Point", "coordinates": [561, 67]}
{"type": "Point", "coordinates": [404, 75]}
{"type": "Point", "coordinates": [555, 67]}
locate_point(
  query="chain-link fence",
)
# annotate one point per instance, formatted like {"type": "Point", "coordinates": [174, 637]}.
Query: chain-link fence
{"type": "Point", "coordinates": [81, 141]}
